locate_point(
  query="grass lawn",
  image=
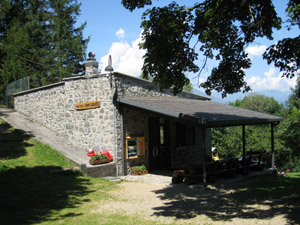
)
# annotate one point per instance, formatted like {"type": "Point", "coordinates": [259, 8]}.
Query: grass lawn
{"type": "Point", "coordinates": [31, 192]}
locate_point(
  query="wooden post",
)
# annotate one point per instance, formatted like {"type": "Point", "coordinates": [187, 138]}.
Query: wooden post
{"type": "Point", "coordinates": [204, 157]}
{"type": "Point", "coordinates": [272, 146]}
{"type": "Point", "coordinates": [244, 151]}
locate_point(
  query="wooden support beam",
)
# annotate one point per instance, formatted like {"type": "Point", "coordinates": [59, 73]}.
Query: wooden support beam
{"type": "Point", "coordinates": [244, 151]}
{"type": "Point", "coordinates": [204, 157]}
{"type": "Point", "coordinates": [272, 146]}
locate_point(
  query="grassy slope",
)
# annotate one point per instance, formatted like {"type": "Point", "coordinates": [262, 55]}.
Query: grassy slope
{"type": "Point", "coordinates": [31, 192]}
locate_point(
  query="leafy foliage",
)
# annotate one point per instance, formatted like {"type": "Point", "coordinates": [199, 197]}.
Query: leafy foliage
{"type": "Point", "coordinates": [132, 4]}
{"type": "Point", "coordinates": [227, 141]}
{"type": "Point", "coordinates": [38, 38]}
{"type": "Point", "coordinates": [14, 66]}
{"type": "Point", "coordinates": [99, 156]}
{"type": "Point", "coordinates": [222, 29]}
{"type": "Point", "coordinates": [285, 53]}
{"type": "Point", "coordinates": [260, 103]}
{"type": "Point", "coordinates": [168, 54]}
{"type": "Point", "coordinates": [258, 138]}
{"type": "Point", "coordinates": [289, 133]}
{"type": "Point", "coordinates": [139, 168]}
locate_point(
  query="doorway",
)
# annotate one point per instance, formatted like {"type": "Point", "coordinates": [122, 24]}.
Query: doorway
{"type": "Point", "coordinates": [159, 144]}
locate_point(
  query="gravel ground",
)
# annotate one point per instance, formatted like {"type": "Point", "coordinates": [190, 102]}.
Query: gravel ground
{"type": "Point", "coordinates": [163, 203]}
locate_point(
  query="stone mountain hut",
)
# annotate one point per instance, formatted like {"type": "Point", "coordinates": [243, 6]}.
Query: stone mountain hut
{"type": "Point", "coordinates": [132, 118]}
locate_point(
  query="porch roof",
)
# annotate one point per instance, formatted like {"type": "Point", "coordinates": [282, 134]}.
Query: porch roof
{"type": "Point", "coordinates": [204, 113]}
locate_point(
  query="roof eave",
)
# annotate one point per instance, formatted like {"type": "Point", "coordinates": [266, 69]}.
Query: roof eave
{"type": "Point", "coordinates": [254, 121]}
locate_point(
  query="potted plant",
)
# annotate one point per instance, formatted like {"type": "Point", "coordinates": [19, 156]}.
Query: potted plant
{"type": "Point", "coordinates": [139, 170]}
{"type": "Point", "coordinates": [99, 159]}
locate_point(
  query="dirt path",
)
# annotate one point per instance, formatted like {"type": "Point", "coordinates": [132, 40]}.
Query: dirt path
{"type": "Point", "coordinates": [181, 204]}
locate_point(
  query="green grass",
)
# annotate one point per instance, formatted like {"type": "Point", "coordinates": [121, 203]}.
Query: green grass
{"type": "Point", "coordinates": [31, 192]}
{"type": "Point", "coordinates": [271, 187]}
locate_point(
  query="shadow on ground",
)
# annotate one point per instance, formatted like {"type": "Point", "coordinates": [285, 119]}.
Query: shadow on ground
{"type": "Point", "coordinates": [262, 197]}
{"type": "Point", "coordinates": [12, 139]}
{"type": "Point", "coordinates": [29, 195]}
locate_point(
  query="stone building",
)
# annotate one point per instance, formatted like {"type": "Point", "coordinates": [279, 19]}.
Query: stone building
{"type": "Point", "coordinates": [131, 118]}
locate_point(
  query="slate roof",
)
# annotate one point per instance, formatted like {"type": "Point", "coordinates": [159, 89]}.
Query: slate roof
{"type": "Point", "coordinates": [204, 113]}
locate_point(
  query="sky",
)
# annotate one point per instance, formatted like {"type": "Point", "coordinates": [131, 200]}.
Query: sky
{"type": "Point", "coordinates": [115, 31]}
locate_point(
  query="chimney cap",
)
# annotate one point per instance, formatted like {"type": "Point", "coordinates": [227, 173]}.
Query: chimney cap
{"type": "Point", "coordinates": [91, 56]}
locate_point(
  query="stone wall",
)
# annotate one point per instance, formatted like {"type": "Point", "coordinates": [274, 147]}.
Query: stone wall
{"type": "Point", "coordinates": [91, 127]}
{"type": "Point", "coordinates": [44, 105]}
{"type": "Point", "coordinates": [136, 125]}
{"type": "Point", "coordinates": [54, 107]}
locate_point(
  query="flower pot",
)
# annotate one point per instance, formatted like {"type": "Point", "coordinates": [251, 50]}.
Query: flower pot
{"type": "Point", "coordinates": [139, 172]}
{"type": "Point", "coordinates": [98, 161]}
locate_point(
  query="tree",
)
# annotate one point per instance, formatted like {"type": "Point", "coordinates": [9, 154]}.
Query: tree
{"type": "Point", "coordinates": [14, 66]}
{"type": "Point", "coordinates": [288, 155]}
{"type": "Point", "coordinates": [38, 38]}
{"type": "Point", "coordinates": [260, 103]}
{"type": "Point", "coordinates": [67, 43]}
{"type": "Point", "coordinates": [147, 77]}
{"type": "Point", "coordinates": [6, 13]}
{"type": "Point", "coordinates": [188, 87]}
{"type": "Point", "coordinates": [294, 98]}
{"type": "Point", "coordinates": [222, 29]}
{"type": "Point", "coordinates": [228, 141]}
{"type": "Point", "coordinates": [289, 132]}
{"type": "Point", "coordinates": [285, 54]}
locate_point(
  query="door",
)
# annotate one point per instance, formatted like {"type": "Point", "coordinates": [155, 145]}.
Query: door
{"type": "Point", "coordinates": [159, 145]}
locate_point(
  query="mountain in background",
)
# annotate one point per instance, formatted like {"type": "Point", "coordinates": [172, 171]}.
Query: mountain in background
{"type": "Point", "coordinates": [279, 96]}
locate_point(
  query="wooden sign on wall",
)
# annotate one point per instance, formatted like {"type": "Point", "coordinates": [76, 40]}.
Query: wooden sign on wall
{"type": "Point", "coordinates": [87, 105]}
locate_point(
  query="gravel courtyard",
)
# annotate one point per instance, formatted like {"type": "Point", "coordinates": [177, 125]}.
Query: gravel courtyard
{"type": "Point", "coordinates": [181, 204]}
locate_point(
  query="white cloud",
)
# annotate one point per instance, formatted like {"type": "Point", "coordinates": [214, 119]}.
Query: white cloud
{"type": "Point", "coordinates": [126, 58]}
{"type": "Point", "coordinates": [256, 50]}
{"type": "Point", "coordinates": [202, 78]}
{"type": "Point", "coordinates": [271, 82]}
{"type": "Point", "coordinates": [120, 33]}
{"type": "Point", "coordinates": [270, 73]}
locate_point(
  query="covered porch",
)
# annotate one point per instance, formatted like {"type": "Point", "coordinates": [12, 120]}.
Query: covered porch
{"type": "Point", "coordinates": [204, 115]}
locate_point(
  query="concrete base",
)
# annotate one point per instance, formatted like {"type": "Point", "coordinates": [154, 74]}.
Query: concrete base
{"type": "Point", "coordinates": [102, 170]}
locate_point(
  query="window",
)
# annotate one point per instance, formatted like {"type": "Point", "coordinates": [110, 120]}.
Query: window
{"type": "Point", "coordinates": [180, 135]}
{"type": "Point", "coordinates": [190, 135]}
{"type": "Point", "coordinates": [162, 135]}
{"type": "Point", "coordinates": [185, 135]}
{"type": "Point", "coordinates": [135, 147]}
